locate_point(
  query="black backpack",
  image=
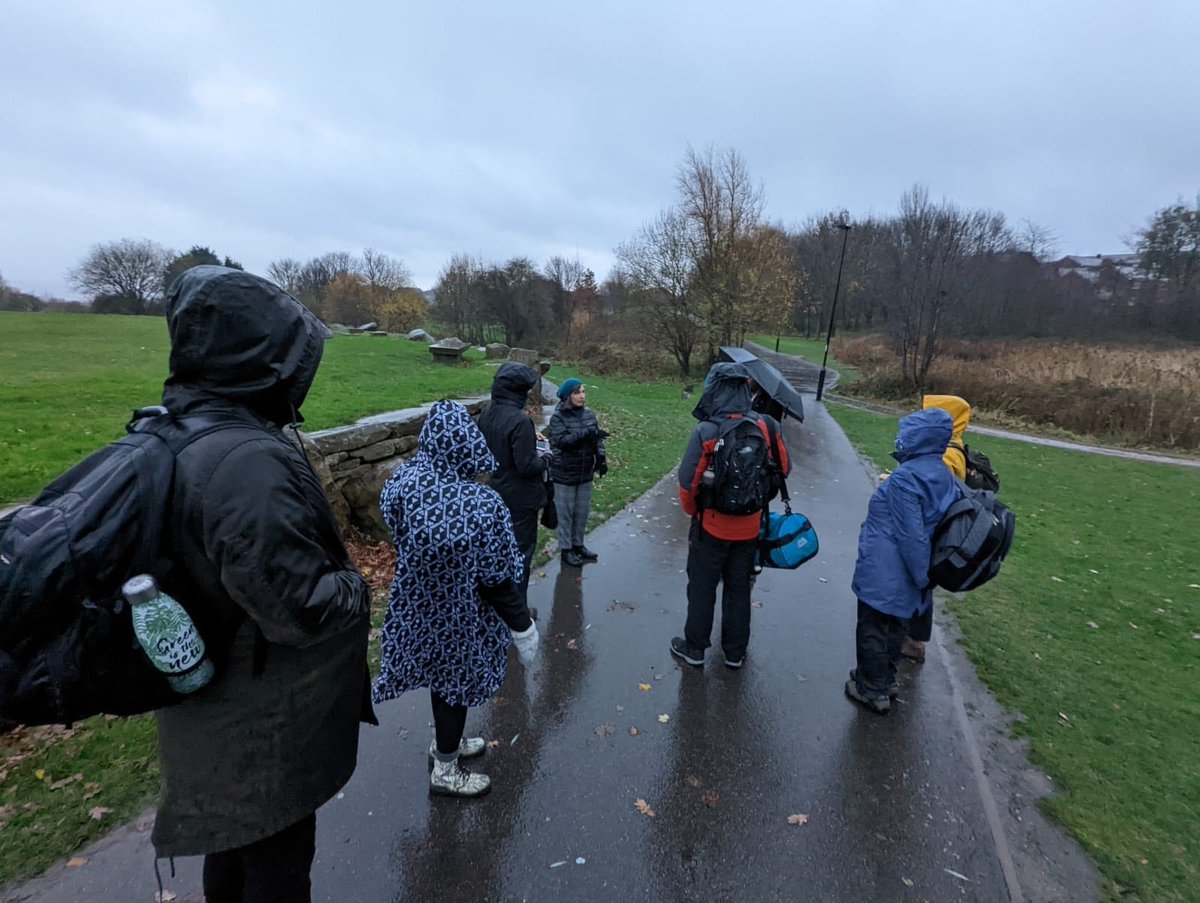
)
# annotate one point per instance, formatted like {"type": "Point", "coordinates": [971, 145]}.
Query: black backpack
{"type": "Point", "coordinates": [972, 540]}
{"type": "Point", "coordinates": [745, 475]}
{"type": "Point", "coordinates": [67, 647]}
{"type": "Point", "coordinates": [980, 474]}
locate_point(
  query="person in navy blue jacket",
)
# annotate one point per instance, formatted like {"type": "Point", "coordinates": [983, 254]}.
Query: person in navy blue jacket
{"type": "Point", "coordinates": [891, 576]}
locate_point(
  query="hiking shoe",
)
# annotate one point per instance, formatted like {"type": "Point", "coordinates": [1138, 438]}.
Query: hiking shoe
{"type": "Point", "coordinates": [880, 705]}
{"type": "Point", "coordinates": [893, 691]}
{"type": "Point", "coordinates": [571, 559]}
{"type": "Point", "coordinates": [586, 554]}
{"type": "Point", "coordinates": [735, 662]}
{"type": "Point", "coordinates": [468, 748]}
{"type": "Point", "coordinates": [911, 649]}
{"type": "Point", "coordinates": [685, 653]}
{"type": "Point", "coordinates": [453, 779]}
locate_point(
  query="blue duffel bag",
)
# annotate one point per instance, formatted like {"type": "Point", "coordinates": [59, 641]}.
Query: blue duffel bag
{"type": "Point", "coordinates": [788, 541]}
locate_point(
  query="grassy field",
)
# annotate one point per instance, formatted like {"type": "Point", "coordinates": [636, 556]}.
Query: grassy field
{"type": "Point", "coordinates": [71, 381]}
{"type": "Point", "coordinates": [1092, 632]}
{"type": "Point", "coordinates": [49, 422]}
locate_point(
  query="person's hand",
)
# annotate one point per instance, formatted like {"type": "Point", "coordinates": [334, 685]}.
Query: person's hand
{"type": "Point", "coordinates": [601, 434]}
{"type": "Point", "coordinates": [601, 467]}
{"type": "Point", "coordinates": [526, 642]}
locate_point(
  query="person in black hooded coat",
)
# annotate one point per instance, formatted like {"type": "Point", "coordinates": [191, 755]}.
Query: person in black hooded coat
{"type": "Point", "coordinates": [521, 477]}
{"type": "Point", "coordinates": [257, 559]}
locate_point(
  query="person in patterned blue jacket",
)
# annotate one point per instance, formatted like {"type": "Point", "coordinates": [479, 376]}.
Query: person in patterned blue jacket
{"type": "Point", "coordinates": [891, 576]}
{"type": "Point", "coordinates": [455, 600]}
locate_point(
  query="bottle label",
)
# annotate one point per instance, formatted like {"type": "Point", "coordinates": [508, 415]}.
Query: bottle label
{"type": "Point", "coordinates": [168, 636]}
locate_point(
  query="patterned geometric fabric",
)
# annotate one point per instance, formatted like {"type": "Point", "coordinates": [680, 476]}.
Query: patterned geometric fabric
{"type": "Point", "coordinates": [451, 535]}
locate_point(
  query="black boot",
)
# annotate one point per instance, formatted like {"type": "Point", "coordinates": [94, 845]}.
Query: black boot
{"type": "Point", "coordinates": [570, 559]}
{"type": "Point", "coordinates": [586, 554]}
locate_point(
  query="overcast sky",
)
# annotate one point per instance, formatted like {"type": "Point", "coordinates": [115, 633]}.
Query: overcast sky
{"type": "Point", "coordinates": [270, 129]}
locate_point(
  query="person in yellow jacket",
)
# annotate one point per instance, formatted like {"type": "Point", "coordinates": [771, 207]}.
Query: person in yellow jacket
{"type": "Point", "coordinates": [920, 629]}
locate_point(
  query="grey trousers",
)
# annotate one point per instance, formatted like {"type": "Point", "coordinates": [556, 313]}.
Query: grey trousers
{"type": "Point", "coordinates": [572, 503]}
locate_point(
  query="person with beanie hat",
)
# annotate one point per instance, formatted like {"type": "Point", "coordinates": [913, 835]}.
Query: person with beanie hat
{"type": "Point", "coordinates": [579, 457]}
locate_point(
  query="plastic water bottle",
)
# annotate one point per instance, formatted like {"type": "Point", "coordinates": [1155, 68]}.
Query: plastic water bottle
{"type": "Point", "coordinates": [166, 631]}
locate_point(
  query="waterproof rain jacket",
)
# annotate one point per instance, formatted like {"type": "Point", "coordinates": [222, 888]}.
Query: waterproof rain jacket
{"type": "Point", "coordinates": [453, 537]}
{"type": "Point", "coordinates": [892, 571]}
{"type": "Point", "coordinates": [726, 394]}
{"type": "Point", "coordinates": [578, 448]}
{"type": "Point", "coordinates": [955, 456]}
{"type": "Point", "coordinates": [254, 543]}
{"type": "Point", "coordinates": [511, 436]}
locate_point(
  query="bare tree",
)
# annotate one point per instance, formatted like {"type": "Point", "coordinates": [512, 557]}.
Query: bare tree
{"type": "Point", "coordinates": [723, 207]}
{"type": "Point", "coordinates": [126, 275]}
{"type": "Point", "coordinates": [459, 297]}
{"type": "Point", "coordinates": [285, 273]}
{"type": "Point", "coordinates": [382, 271]}
{"type": "Point", "coordinates": [1037, 240]}
{"type": "Point", "coordinates": [658, 264]}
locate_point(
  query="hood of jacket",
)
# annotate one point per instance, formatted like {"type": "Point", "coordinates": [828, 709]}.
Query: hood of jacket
{"type": "Point", "coordinates": [924, 432]}
{"type": "Point", "coordinates": [725, 392]}
{"type": "Point", "coordinates": [452, 443]}
{"type": "Point", "coordinates": [512, 383]}
{"type": "Point", "coordinates": [956, 407]}
{"type": "Point", "coordinates": [237, 337]}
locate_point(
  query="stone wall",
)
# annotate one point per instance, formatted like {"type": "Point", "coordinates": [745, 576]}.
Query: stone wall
{"type": "Point", "coordinates": [355, 461]}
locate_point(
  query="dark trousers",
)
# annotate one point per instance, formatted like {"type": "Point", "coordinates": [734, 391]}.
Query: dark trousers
{"type": "Point", "coordinates": [525, 526]}
{"type": "Point", "coordinates": [449, 722]}
{"type": "Point", "coordinates": [712, 561]}
{"type": "Point", "coordinates": [272, 870]}
{"type": "Point", "coordinates": [920, 627]}
{"type": "Point", "coordinates": [877, 642]}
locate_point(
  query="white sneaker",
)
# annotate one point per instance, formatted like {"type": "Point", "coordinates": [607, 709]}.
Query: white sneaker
{"type": "Point", "coordinates": [453, 779]}
{"type": "Point", "coordinates": [468, 748]}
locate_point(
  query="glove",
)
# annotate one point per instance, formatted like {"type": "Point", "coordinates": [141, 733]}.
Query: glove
{"type": "Point", "coordinates": [601, 434]}
{"type": "Point", "coordinates": [601, 467]}
{"type": "Point", "coordinates": [526, 642]}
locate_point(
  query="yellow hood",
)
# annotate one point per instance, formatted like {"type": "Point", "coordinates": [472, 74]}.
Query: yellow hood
{"type": "Point", "coordinates": [954, 406]}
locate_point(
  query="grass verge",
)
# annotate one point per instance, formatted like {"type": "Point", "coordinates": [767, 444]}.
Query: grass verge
{"type": "Point", "coordinates": [812, 350]}
{"type": "Point", "coordinates": [1092, 634]}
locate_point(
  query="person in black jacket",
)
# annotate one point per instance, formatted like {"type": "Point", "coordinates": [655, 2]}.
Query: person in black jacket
{"type": "Point", "coordinates": [579, 455]}
{"type": "Point", "coordinates": [247, 760]}
{"type": "Point", "coordinates": [521, 477]}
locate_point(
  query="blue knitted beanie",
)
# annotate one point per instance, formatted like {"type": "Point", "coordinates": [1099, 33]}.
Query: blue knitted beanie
{"type": "Point", "coordinates": [569, 385]}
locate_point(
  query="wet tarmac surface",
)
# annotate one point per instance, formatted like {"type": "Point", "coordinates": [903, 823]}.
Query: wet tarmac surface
{"type": "Point", "coordinates": [897, 807]}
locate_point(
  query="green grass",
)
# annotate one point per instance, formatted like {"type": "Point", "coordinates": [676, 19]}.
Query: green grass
{"type": "Point", "coordinates": [1112, 712]}
{"type": "Point", "coordinates": [812, 350]}
{"type": "Point", "coordinates": [74, 380]}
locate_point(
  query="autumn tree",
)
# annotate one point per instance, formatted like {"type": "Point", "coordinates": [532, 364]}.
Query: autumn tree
{"type": "Point", "coordinates": [1169, 249]}
{"type": "Point", "coordinates": [518, 297]}
{"type": "Point", "coordinates": [123, 276]}
{"type": "Point", "coordinates": [459, 295]}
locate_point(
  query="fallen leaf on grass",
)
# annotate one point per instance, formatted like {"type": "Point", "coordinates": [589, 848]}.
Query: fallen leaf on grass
{"type": "Point", "coordinates": [98, 812]}
{"type": "Point", "coordinates": [1134, 626]}
{"type": "Point", "coordinates": [709, 798]}
{"type": "Point", "coordinates": [1063, 716]}
{"type": "Point", "coordinates": [604, 730]}
{"type": "Point", "coordinates": [644, 807]}
{"type": "Point", "coordinates": [1057, 579]}
{"type": "Point", "coordinates": [90, 790]}
{"type": "Point", "coordinates": [76, 862]}
{"type": "Point", "coordinates": [59, 785]}
{"type": "Point", "coordinates": [645, 688]}
{"type": "Point", "coordinates": [663, 719]}
{"type": "Point", "coordinates": [1093, 625]}
{"type": "Point", "coordinates": [40, 774]}
{"type": "Point", "coordinates": [798, 819]}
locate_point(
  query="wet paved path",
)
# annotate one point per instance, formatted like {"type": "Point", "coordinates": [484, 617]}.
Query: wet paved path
{"type": "Point", "coordinates": [898, 808]}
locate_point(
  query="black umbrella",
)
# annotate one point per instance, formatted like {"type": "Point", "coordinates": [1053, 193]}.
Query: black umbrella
{"type": "Point", "coordinates": [770, 380]}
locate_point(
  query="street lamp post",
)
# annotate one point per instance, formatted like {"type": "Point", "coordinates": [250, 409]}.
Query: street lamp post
{"type": "Point", "coordinates": [845, 227]}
